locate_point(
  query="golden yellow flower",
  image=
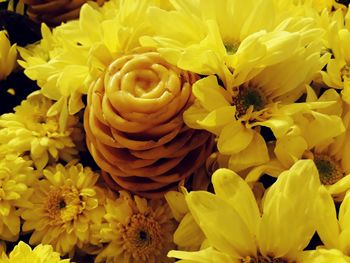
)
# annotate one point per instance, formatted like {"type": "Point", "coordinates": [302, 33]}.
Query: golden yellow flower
{"type": "Point", "coordinates": [54, 12]}
{"type": "Point", "coordinates": [23, 253]}
{"type": "Point", "coordinates": [8, 56]}
{"type": "Point", "coordinates": [65, 203]}
{"type": "Point", "coordinates": [235, 229]}
{"type": "Point", "coordinates": [16, 178]}
{"type": "Point", "coordinates": [137, 230]}
{"type": "Point", "coordinates": [232, 39]}
{"type": "Point", "coordinates": [236, 114]}
{"type": "Point", "coordinates": [328, 149]}
{"type": "Point", "coordinates": [134, 125]}
{"type": "Point", "coordinates": [33, 129]}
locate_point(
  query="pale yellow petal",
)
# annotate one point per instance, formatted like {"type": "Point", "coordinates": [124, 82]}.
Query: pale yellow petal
{"type": "Point", "coordinates": [232, 188]}
{"type": "Point", "coordinates": [233, 236]}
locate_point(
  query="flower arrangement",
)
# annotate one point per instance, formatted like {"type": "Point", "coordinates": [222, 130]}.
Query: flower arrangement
{"type": "Point", "coordinates": [162, 131]}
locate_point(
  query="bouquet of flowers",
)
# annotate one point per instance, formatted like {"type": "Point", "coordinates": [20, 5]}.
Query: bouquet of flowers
{"type": "Point", "coordinates": [157, 131]}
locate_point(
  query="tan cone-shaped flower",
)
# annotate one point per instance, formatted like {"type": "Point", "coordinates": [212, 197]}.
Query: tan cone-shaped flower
{"type": "Point", "coordinates": [134, 126]}
{"type": "Point", "coordinates": [53, 12]}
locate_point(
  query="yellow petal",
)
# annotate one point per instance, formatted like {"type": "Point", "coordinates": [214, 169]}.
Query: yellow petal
{"type": "Point", "coordinates": [221, 224]}
{"type": "Point", "coordinates": [234, 138]}
{"type": "Point", "coordinates": [289, 211]}
{"type": "Point", "coordinates": [255, 154]}
{"type": "Point", "coordinates": [327, 223]}
{"type": "Point", "coordinates": [232, 188]}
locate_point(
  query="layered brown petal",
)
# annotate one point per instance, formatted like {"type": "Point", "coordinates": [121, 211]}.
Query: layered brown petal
{"type": "Point", "coordinates": [54, 12]}
{"type": "Point", "coordinates": [134, 126]}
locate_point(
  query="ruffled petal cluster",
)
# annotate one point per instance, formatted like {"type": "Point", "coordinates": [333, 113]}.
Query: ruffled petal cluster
{"type": "Point", "coordinates": [66, 202]}
{"type": "Point", "coordinates": [32, 130]}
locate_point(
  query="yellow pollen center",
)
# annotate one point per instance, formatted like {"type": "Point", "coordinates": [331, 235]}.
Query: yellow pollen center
{"type": "Point", "coordinates": [248, 97]}
{"type": "Point", "coordinates": [142, 237]}
{"type": "Point", "coordinates": [263, 259]}
{"type": "Point", "coordinates": [329, 170]}
{"type": "Point", "coordinates": [345, 72]}
{"type": "Point", "coordinates": [63, 204]}
{"type": "Point", "coordinates": [231, 48]}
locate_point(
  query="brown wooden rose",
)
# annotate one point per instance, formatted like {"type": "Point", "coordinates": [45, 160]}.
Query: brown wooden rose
{"type": "Point", "coordinates": [134, 126]}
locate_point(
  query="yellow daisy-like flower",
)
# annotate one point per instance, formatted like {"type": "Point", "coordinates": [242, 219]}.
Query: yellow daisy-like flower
{"type": "Point", "coordinates": [22, 253]}
{"type": "Point", "coordinates": [334, 229]}
{"type": "Point", "coordinates": [16, 178]}
{"type": "Point", "coordinates": [65, 203]}
{"type": "Point", "coordinates": [230, 38]}
{"type": "Point", "coordinates": [8, 56]}
{"type": "Point", "coordinates": [32, 129]}
{"type": "Point", "coordinates": [137, 230]}
{"type": "Point", "coordinates": [234, 228]}
{"type": "Point", "coordinates": [235, 114]}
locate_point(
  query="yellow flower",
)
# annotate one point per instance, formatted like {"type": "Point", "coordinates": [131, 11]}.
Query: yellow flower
{"type": "Point", "coordinates": [23, 253]}
{"type": "Point", "coordinates": [65, 203]}
{"type": "Point", "coordinates": [69, 58]}
{"type": "Point", "coordinates": [236, 114]}
{"type": "Point", "coordinates": [137, 230]}
{"type": "Point", "coordinates": [230, 38]}
{"type": "Point", "coordinates": [334, 229]}
{"type": "Point", "coordinates": [31, 129]}
{"type": "Point", "coordinates": [8, 56]}
{"type": "Point", "coordinates": [318, 135]}
{"type": "Point", "coordinates": [16, 178]}
{"type": "Point", "coordinates": [234, 228]}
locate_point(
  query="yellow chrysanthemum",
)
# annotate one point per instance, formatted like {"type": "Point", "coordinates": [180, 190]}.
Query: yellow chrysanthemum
{"type": "Point", "coordinates": [22, 253]}
{"type": "Point", "coordinates": [69, 58]}
{"type": "Point", "coordinates": [33, 129]}
{"type": "Point", "coordinates": [8, 56]}
{"type": "Point", "coordinates": [16, 178]}
{"type": "Point", "coordinates": [65, 203]}
{"type": "Point", "coordinates": [332, 229]}
{"type": "Point", "coordinates": [137, 230]}
{"type": "Point", "coordinates": [236, 114]}
{"type": "Point", "coordinates": [234, 228]}
{"type": "Point", "coordinates": [230, 38]}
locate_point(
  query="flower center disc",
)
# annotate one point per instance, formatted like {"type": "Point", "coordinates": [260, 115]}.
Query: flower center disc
{"type": "Point", "coordinates": [142, 237]}
{"type": "Point", "coordinates": [248, 97]}
{"type": "Point", "coordinates": [263, 259]}
{"type": "Point", "coordinates": [329, 170]}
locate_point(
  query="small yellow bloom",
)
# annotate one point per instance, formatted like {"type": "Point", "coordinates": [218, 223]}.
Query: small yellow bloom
{"type": "Point", "coordinates": [136, 230]}
{"type": "Point", "coordinates": [22, 253]}
{"type": "Point", "coordinates": [16, 177]}
{"type": "Point", "coordinates": [235, 229]}
{"type": "Point", "coordinates": [8, 56]}
{"type": "Point", "coordinates": [66, 202]}
{"type": "Point", "coordinates": [30, 129]}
